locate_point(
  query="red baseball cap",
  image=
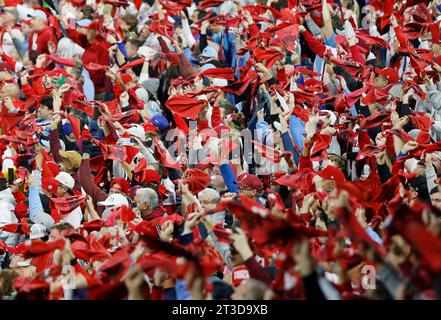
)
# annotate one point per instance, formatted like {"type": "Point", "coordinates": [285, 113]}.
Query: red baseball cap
{"type": "Point", "coordinates": [94, 25]}
{"type": "Point", "coordinates": [332, 173]}
{"type": "Point", "coordinates": [125, 185]}
{"type": "Point", "coordinates": [389, 73]}
{"type": "Point", "coordinates": [149, 127]}
{"type": "Point", "coordinates": [247, 180]}
{"type": "Point", "coordinates": [239, 274]}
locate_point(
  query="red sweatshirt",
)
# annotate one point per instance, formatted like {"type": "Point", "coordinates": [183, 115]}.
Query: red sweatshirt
{"type": "Point", "coordinates": [89, 186]}
{"type": "Point", "coordinates": [316, 46]}
{"type": "Point", "coordinates": [41, 39]}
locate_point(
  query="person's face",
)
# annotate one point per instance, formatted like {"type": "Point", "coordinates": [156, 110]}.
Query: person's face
{"type": "Point", "coordinates": [327, 184]}
{"type": "Point", "coordinates": [335, 160]}
{"type": "Point", "coordinates": [124, 26]}
{"type": "Point", "coordinates": [241, 292]}
{"type": "Point", "coordinates": [194, 16]}
{"type": "Point", "coordinates": [277, 138]}
{"type": "Point", "coordinates": [7, 18]}
{"type": "Point", "coordinates": [8, 91]}
{"type": "Point", "coordinates": [139, 203]}
{"type": "Point", "coordinates": [37, 24]}
{"type": "Point", "coordinates": [54, 234]}
{"type": "Point", "coordinates": [27, 63]}
{"type": "Point", "coordinates": [207, 203]}
{"type": "Point", "coordinates": [236, 258]}
{"type": "Point", "coordinates": [44, 112]}
{"type": "Point", "coordinates": [217, 182]}
{"type": "Point", "coordinates": [248, 192]}
{"type": "Point", "coordinates": [26, 29]}
{"type": "Point", "coordinates": [133, 83]}
{"type": "Point", "coordinates": [380, 82]}
{"type": "Point", "coordinates": [61, 191]}
{"type": "Point", "coordinates": [13, 187]}
{"type": "Point", "coordinates": [436, 200]}
{"type": "Point", "coordinates": [413, 193]}
{"type": "Point", "coordinates": [5, 75]}
{"type": "Point", "coordinates": [131, 50]}
{"type": "Point", "coordinates": [399, 248]}
{"type": "Point", "coordinates": [91, 35]}
{"type": "Point", "coordinates": [216, 28]}
{"type": "Point", "coordinates": [203, 59]}
{"type": "Point", "coordinates": [116, 188]}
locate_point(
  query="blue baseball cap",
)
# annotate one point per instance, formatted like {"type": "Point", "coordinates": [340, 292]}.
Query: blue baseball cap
{"type": "Point", "coordinates": [160, 121]}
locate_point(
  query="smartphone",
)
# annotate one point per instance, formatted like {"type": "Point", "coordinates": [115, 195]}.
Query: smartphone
{"type": "Point", "coordinates": [128, 142]}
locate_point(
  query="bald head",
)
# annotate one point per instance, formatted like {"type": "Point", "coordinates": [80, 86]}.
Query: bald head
{"type": "Point", "coordinates": [250, 289]}
{"type": "Point", "coordinates": [10, 90]}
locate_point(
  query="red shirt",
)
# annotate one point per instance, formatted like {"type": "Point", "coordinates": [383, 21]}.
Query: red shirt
{"type": "Point", "coordinates": [96, 52]}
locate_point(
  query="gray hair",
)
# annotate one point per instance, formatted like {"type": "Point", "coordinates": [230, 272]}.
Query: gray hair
{"type": "Point", "coordinates": [150, 196]}
{"type": "Point", "coordinates": [213, 194]}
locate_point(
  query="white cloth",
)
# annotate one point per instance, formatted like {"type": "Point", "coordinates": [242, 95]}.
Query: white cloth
{"type": "Point", "coordinates": [7, 205]}
{"type": "Point", "coordinates": [74, 218]}
{"type": "Point", "coordinates": [8, 44]}
{"type": "Point", "coordinates": [171, 193]}
{"type": "Point", "coordinates": [7, 216]}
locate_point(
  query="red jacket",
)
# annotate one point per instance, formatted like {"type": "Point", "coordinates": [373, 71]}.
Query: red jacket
{"type": "Point", "coordinates": [42, 38]}
{"type": "Point", "coordinates": [89, 186]}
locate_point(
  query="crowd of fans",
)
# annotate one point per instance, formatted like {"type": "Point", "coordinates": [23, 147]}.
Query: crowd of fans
{"type": "Point", "coordinates": [233, 149]}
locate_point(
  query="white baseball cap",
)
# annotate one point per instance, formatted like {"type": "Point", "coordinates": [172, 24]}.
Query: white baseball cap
{"type": "Point", "coordinates": [46, 143]}
{"type": "Point", "coordinates": [137, 131]}
{"type": "Point", "coordinates": [65, 179]}
{"type": "Point", "coordinates": [209, 52]}
{"type": "Point", "coordinates": [84, 22]}
{"type": "Point", "coordinates": [25, 263]}
{"type": "Point", "coordinates": [114, 200]}
{"type": "Point", "coordinates": [217, 82]}
{"type": "Point", "coordinates": [38, 231]}
{"type": "Point", "coordinates": [38, 14]}
{"type": "Point", "coordinates": [207, 66]}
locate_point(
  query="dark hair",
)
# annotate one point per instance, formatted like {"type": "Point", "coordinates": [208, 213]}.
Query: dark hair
{"type": "Point", "coordinates": [47, 101]}
{"type": "Point", "coordinates": [7, 277]}
{"type": "Point", "coordinates": [87, 12]}
{"type": "Point", "coordinates": [377, 63]}
{"type": "Point", "coordinates": [61, 226]}
{"type": "Point", "coordinates": [222, 290]}
{"type": "Point", "coordinates": [419, 184]}
{"type": "Point", "coordinates": [3, 184]}
{"type": "Point", "coordinates": [33, 55]}
{"type": "Point", "coordinates": [131, 20]}
{"type": "Point", "coordinates": [434, 190]}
